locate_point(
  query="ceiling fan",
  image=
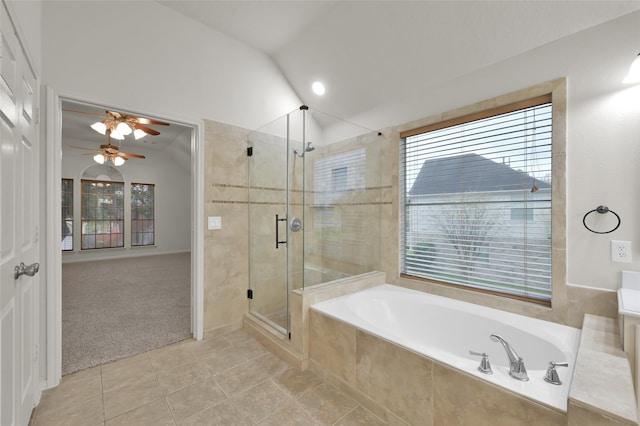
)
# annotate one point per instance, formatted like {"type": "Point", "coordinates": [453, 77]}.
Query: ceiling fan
{"type": "Point", "coordinates": [109, 152]}
{"type": "Point", "coordinates": [121, 125]}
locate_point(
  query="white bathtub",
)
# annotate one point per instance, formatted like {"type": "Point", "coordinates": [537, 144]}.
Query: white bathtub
{"type": "Point", "coordinates": [445, 330]}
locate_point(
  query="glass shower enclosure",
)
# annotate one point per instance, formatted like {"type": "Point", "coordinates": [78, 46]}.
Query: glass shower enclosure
{"type": "Point", "coordinates": [314, 210]}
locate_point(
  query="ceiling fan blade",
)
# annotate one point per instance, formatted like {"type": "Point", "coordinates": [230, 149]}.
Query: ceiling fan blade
{"type": "Point", "coordinates": [147, 130]}
{"type": "Point", "coordinates": [85, 113]}
{"type": "Point", "coordinates": [129, 117]}
{"type": "Point", "coordinates": [143, 120]}
{"type": "Point", "coordinates": [130, 155]}
{"type": "Point", "coordinates": [81, 147]}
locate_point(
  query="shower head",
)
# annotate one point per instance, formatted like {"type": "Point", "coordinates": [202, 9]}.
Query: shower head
{"type": "Point", "coordinates": [309, 148]}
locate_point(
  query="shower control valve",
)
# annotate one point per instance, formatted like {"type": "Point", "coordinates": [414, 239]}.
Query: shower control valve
{"type": "Point", "coordinates": [295, 225]}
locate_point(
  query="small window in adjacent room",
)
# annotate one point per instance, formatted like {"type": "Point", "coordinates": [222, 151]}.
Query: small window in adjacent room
{"type": "Point", "coordinates": [67, 214]}
{"type": "Point", "coordinates": [337, 174]}
{"type": "Point", "coordinates": [477, 201]}
{"type": "Point", "coordinates": [142, 214]}
{"type": "Point", "coordinates": [339, 179]}
{"type": "Point", "coordinates": [102, 224]}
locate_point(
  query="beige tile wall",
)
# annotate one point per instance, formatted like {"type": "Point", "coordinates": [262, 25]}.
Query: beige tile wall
{"type": "Point", "coordinates": [569, 303]}
{"type": "Point", "coordinates": [355, 248]}
{"type": "Point", "coordinates": [352, 246]}
{"type": "Point", "coordinates": [460, 399]}
{"type": "Point", "coordinates": [226, 251]}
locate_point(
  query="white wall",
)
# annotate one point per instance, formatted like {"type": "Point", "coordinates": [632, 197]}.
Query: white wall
{"type": "Point", "coordinates": [603, 134]}
{"type": "Point", "coordinates": [144, 57]}
{"type": "Point", "coordinates": [172, 208]}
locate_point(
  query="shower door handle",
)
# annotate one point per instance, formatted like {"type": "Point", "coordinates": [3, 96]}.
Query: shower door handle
{"type": "Point", "coordinates": [278, 242]}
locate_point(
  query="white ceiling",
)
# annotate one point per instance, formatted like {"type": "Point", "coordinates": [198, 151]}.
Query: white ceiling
{"type": "Point", "coordinates": [369, 53]}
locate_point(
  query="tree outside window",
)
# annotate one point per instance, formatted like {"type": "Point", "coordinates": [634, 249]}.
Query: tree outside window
{"type": "Point", "coordinates": [477, 201]}
{"type": "Point", "coordinates": [142, 214]}
{"type": "Point", "coordinates": [67, 215]}
{"type": "Point", "coordinates": [102, 217]}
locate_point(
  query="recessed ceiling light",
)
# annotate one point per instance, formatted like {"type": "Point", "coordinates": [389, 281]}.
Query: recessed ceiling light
{"type": "Point", "coordinates": [318, 88]}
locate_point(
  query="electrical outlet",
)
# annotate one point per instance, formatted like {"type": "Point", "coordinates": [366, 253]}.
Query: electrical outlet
{"type": "Point", "coordinates": [621, 251]}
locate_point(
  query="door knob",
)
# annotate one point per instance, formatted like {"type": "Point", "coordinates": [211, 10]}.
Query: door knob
{"type": "Point", "coordinates": [23, 269]}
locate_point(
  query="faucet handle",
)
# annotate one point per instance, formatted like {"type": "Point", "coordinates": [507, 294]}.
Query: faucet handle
{"type": "Point", "coordinates": [552, 375]}
{"type": "Point", "coordinates": [485, 365]}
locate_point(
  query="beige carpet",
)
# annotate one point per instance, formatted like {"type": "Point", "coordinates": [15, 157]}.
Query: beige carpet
{"type": "Point", "coordinates": [113, 309]}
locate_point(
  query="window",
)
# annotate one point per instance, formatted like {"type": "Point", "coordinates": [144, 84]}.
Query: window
{"type": "Point", "coordinates": [102, 214]}
{"type": "Point", "coordinates": [67, 214]}
{"type": "Point", "coordinates": [518, 213]}
{"type": "Point", "coordinates": [339, 179]}
{"type": "Point", "coordinates": [335, 175]}
{"type": "Point", "coordinates": [477, 201]}
{"type": "Point", "coordinates": [142, 214]}
{"type": "Point", "coordinates": [336, 179]}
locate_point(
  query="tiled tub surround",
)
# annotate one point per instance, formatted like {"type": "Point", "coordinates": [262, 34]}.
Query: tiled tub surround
{"type": "Point", "coordinates": [405, 387]}
{"type": "Point", "coordinates": [445, 330]}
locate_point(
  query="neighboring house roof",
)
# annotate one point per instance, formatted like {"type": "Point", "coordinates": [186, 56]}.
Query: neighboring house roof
{"type": "Point", "coordinates": [435, 176]}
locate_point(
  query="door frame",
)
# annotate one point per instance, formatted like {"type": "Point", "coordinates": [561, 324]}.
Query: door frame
{"type": "Point", "coordinates": [53, 153]}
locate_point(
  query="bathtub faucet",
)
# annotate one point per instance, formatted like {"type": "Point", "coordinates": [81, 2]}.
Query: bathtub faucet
{"type": "Point", "coordinates": [516, 364]}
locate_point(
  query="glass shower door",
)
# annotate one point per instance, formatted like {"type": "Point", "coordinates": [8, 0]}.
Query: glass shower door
{"type": "Point", "coordinates": [268, 229]}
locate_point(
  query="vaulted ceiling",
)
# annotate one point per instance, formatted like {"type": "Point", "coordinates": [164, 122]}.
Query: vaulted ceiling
{"type": "Point", "coordinates": [368, 53]}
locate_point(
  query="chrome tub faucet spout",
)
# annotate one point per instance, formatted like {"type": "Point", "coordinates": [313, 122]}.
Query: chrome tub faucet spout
{"type": "Point", "coordinates": [517, 369]}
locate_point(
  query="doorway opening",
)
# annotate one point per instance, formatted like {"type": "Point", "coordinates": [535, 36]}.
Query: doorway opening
{"type": "Point", "coordinates": [173, 167]}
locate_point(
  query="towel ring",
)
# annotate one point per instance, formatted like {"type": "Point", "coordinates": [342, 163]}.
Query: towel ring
{"type": "Point", "coordinates": [601, 210]}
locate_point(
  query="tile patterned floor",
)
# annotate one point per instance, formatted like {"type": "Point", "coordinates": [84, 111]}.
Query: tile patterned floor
{"type": "Point", "coordinates": [227, 380]}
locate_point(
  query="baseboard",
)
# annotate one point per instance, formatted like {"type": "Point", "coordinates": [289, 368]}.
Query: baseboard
{"type": "Point", "coordinates": [123, 253]}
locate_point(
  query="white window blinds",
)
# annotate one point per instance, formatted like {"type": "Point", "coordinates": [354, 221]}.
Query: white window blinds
{"type": "Point", "coordinates": [477, 201]}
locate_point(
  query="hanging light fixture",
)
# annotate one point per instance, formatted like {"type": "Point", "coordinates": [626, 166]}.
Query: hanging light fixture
{"type": "Point", "coordinates": [111, 153]}
{"type": "Point", "coordinates": [634, 72]}
{"type": "Point", "coordinates": [119, 126]}
{"type": "Point", "coordinates": [104, 157]}
{"type": "Point", "coordinates": [98, 158]}
{"type": "Point", "coordinates": [108, 152]}
{"type": "Point", "coordinates": [99, 127]}
{"type": "Point", "coordinates": [138, 133]}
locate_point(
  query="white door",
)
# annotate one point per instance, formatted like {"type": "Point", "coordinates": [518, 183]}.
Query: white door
{"type": "Point", "coordinates": [19, 177]}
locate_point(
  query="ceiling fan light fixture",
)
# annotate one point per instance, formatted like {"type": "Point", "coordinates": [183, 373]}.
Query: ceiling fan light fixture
{"type": "Point", "coordinates": [115, 134]}
{"type": "Point", "coordinates": [139, 134]}
{"type": "Point", "coordinates": [98, 158]}
{"type": "Point", "coordinates": [99, 127]}
{"type": "Point", "coordinates": [118, 161]}
{"type": "Point", "coordinates": [123, 128]}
